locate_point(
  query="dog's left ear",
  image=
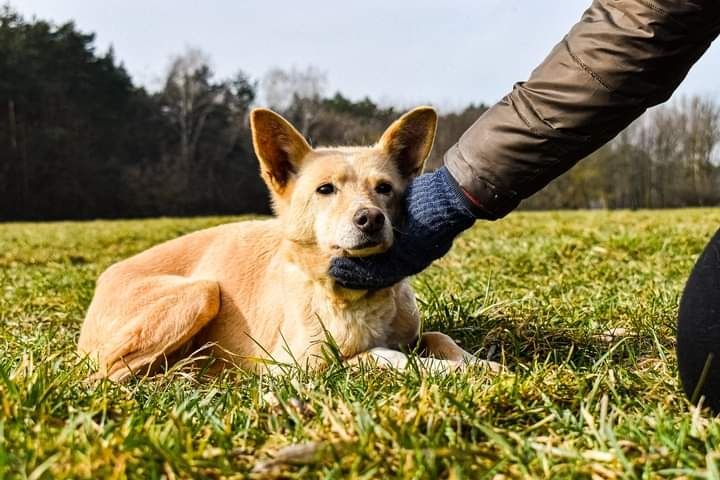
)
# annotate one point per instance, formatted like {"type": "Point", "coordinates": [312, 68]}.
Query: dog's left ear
{"type": "Point", "coordinates": [409, 140]}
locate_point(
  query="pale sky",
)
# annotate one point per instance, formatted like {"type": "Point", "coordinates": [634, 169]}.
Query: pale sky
{"type": "Point", "coordinates": [405, 52]}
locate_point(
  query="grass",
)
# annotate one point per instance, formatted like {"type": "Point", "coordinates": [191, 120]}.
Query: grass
{"type": "Point", "coordinates": [537, 291]}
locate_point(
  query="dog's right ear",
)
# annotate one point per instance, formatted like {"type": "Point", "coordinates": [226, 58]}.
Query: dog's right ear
{"type": "Point", "coordinates": [279, 147]}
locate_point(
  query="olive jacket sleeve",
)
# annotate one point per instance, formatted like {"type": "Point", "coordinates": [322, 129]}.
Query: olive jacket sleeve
{"type": "Point", "coordinates": [621, 58]}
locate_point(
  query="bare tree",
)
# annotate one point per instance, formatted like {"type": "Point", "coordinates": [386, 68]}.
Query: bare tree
{"type": "Point", "coordinates": [667, 158]}
{"type": "Point", "coordinates": [298, 89]}
{"type": "Point", "coordinates": [279, 87]}
{"type": "Point", "coordinates": [189, 99]}
{"type": "Point", "coordinates": [702, 137]}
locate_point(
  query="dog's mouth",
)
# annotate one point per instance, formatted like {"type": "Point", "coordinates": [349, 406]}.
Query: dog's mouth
{"type": "Point", "coordinates": [363, 249]}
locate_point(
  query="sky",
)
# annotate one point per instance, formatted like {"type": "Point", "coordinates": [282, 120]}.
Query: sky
{"type": "Point", "coordinates": [448, 53]}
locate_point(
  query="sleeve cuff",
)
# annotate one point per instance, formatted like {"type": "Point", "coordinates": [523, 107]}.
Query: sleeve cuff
{"type": "Point", "coordinates": [487, 201]}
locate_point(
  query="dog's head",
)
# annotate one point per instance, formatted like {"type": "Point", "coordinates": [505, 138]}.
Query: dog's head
{"type": "Point", "coordinates": [342, 200]}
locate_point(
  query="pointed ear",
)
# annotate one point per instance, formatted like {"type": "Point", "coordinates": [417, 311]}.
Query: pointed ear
{"type": "Point", "coordinates": [279, 147]}
{"type": "Point", "coordinates": [409, 139]}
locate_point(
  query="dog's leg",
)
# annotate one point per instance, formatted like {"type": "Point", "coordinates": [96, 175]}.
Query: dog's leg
{"type": "Point", "coordinates": [388, 358]}
{"type": "Point", "coordinates": [168, 314]}
{"type": "Point", "coordinates": [440, 346]}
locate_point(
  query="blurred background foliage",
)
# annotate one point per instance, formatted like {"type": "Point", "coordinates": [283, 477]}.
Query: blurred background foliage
{"type": "Point", "coordinates": [79, 139]}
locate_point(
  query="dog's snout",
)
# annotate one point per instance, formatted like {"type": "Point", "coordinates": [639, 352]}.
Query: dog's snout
{"type": "Point", "coordinates": [369, 220]}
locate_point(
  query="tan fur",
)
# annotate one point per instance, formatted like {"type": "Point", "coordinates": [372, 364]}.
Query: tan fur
{"type": "Point", "coordinates": [259, 290]}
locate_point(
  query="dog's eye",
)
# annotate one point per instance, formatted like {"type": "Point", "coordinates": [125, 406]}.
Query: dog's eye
{"type": "Point", "coordinates": [326, 189]}
{"type": "Point", "coordinates": [383, 188]}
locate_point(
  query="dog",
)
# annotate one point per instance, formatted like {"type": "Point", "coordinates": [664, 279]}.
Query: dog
{"type": "Point", "coordinates": [258, 293]}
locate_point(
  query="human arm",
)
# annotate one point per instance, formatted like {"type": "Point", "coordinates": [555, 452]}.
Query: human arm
{"type": "Point", "coordinates": [621, 58]}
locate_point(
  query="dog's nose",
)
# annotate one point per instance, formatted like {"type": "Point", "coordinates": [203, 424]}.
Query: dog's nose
{"type": "Point", "coordinates": [369, 220]}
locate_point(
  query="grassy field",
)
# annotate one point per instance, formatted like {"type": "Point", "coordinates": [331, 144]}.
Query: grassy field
{"type": "Point", "coordinates": [537, 291]}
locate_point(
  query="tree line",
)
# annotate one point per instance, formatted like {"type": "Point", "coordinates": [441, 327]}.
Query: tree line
{"type": "Point", "coordinates": [78, 139]}
{"type": "Point", "coordinates": [669, 157]}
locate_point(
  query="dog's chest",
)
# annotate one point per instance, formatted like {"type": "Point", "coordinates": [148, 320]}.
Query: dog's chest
{"type": "Point", "coordinates": [362, 324]}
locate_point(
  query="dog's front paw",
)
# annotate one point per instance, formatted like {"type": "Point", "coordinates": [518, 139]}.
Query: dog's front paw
{"type": "Point", "coordinates": [385, 357]}
{"type": "Point", "coordinates": [471, 360]}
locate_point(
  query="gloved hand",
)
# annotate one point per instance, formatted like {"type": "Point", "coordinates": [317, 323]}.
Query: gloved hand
{"type": "Point", "coordinates": [437, 210]}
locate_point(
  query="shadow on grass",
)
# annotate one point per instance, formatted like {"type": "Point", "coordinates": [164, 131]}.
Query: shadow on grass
{"type": "Point", "coordinates": [517, 341]}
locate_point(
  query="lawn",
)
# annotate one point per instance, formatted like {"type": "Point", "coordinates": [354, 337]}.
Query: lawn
{"type": "Point", "coordinates": [540, 292]}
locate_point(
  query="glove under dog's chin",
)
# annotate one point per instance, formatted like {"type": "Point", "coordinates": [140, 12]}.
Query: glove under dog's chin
{"type": "Point", "coordinates": [362, 273]}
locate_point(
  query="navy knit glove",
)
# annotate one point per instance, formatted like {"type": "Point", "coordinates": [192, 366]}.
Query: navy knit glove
{"type": "Point", "coordinates": [436, 212]}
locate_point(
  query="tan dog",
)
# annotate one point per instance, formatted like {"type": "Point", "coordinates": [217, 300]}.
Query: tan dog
{"type": "Point", "coordinates": [259, 291]}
